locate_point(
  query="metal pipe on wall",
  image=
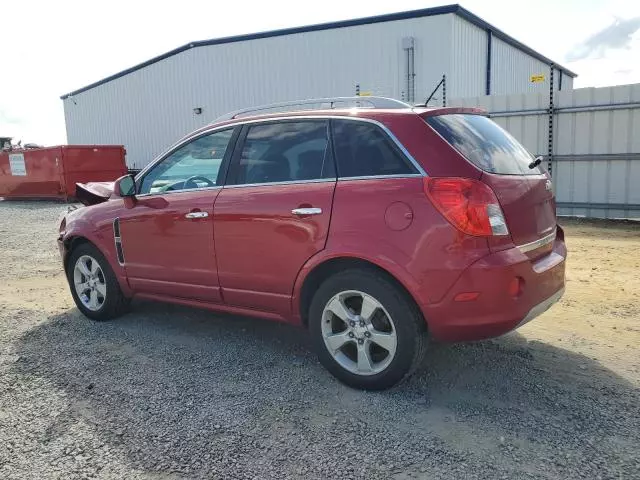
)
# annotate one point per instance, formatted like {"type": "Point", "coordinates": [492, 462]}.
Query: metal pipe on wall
{"type": "Point", "coordinates": [488, 70]}
{"type": "Point", "coordinates": [596, 108]}
{"type": "Point", "coordinates": [550, 138]}
{"type": "Point", "coordinates": [408, 44]}
{"type": "Point", "coordinates": [599, 206]}
{"type": "Point", "coordinates": [580, 108]}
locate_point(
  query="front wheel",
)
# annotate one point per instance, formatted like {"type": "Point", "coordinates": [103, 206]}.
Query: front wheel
{"type": "Point", "coordinates": [93, 284]}
{"type": "Point", "coordinates": [366, 331]}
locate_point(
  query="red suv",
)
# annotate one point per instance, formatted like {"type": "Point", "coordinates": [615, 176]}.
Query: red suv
{"type": "Point", "coordinates": [372, 227]}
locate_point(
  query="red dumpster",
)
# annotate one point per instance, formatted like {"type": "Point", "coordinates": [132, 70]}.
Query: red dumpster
{"type": "Point", "coordinates": [52, 172]}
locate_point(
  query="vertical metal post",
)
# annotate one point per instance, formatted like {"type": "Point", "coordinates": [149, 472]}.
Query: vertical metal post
{"type": "Point", "coordinates": [444, 90]}
{"type": "Point", "coordinates": [413, 75]}
{"type": "Point", "coordinates": [408, 44]}
{"type": "Point", "coordinates": [551, 110]}
{"type": "Point", "coordinates": [408, 75]}
{"type": "Point", "coordinates": [560, 80]}
{"type": "Point", "coordinates": [488, 78]}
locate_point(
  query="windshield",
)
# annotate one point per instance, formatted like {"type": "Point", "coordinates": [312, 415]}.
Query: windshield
{"type": "Point", "coordinates": [484, 143]}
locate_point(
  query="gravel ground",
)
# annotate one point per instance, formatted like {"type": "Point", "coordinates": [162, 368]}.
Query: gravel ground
{"type": "Point", "coordinates": [170, 393]}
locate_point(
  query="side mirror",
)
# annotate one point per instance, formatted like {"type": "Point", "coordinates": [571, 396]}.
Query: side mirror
{"type": "Point", "coordinates": [125, 186]}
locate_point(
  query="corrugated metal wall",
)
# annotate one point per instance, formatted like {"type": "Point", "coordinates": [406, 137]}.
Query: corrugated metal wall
{"type": "Point", "coordinates": [149, 109]}
{"type": "Point", "coordinates": [469, 59]}
{"type": "Point", "coordinates": [598, 152]}
{"type": "Point", "coordinates": [596, 144]}
{"type": "Point", "coordinates": [567, 82]}
{"type": "Point", "coordinates": [511, 70]}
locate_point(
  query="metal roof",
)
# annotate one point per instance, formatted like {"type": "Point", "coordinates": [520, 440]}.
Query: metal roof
{"type": "Point", "coordinates": [425, 12]}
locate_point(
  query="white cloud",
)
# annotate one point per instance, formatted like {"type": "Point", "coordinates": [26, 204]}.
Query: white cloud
{"type": "Point", "coordinates": [617, 36]}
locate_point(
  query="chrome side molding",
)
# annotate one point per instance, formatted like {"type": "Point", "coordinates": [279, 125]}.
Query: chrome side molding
{"type": "Point", "coordinates": [527, 247]}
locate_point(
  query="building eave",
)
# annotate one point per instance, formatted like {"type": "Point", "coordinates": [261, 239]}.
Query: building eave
{"type": "Point", "coordinates": [425, 12]}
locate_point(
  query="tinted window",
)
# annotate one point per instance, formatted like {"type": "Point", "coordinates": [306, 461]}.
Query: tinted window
{"type": "Point", "coordinates": [484, 143]}
{"type": "Point", "coordinates": [286, 151]}
{"type": "Point", "coordinates": [363, 149]}
{"type": "Point", "coordinates": [194, 165]}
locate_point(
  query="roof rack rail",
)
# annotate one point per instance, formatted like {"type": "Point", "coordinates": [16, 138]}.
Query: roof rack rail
{"type": "Point", "coordinates": [375, 102]}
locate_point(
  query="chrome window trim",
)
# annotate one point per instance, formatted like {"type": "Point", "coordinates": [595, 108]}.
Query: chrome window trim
{"type": "Point", "coordinates": [240, 122]}
{"type": "Point", "coordinates": [377, 177]}
{"type": "Point", "coordinates": [286, 182]}
{"type": "Point", "coordinates": [527, 247]}
{"type": "Point", "coordinates": [324, 180]}
{"type": "Point", "coordinates": [143, 195]}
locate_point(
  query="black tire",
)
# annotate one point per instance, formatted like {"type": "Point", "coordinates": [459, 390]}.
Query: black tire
{"type": "Point", "coordinates": [409, 324]}
{"type": "Point", "coordinates": [114, 303]}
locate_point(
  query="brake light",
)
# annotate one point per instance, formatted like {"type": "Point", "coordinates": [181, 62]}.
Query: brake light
{"type": "Point", "coordinates": [468, 204]}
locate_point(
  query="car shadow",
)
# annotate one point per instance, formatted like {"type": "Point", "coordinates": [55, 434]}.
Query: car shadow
{"type": "Point", "coordinates": [186, 391]}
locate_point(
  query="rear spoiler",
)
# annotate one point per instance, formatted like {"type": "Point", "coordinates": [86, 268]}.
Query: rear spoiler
{"type": "Point", "coordinates": [432, 112]}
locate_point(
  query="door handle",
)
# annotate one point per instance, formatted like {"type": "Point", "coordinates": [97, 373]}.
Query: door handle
{"type": "Point", "coordinates": [196, 215]}
{"type": "Point", "coordinates": [301, 212]}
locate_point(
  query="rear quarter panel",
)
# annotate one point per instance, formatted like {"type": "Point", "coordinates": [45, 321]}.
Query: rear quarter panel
{"type": "Point", "coordinates": [391, 223]}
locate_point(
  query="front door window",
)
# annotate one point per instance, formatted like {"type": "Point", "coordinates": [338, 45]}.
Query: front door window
{"type": "Point", "coordinates": [194, 165]}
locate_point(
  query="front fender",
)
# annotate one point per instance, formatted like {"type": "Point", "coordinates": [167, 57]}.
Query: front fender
{"type": "Point", "coordinates": [101, 236]}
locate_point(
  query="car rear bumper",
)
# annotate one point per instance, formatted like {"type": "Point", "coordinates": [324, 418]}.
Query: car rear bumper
{"type": "Point", "coordinates": [542, 307]}
{"type": "Point", "coordinates": [496, 310]}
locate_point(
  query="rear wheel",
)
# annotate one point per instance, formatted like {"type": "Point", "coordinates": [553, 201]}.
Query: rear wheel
{"type": "Point", "coordinates": [93, 284]}
{"type": "Point", "coordinates": [366, 331]}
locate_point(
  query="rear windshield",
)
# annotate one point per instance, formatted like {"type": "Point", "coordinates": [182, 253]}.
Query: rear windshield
{"type": "Point", "coordinates": [484, 143]}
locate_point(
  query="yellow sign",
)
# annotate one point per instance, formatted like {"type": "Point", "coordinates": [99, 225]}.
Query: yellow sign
{"type": "Point", "coordinates": [365, 94]}
{"type": "Point", "coordinates": [537, 78]}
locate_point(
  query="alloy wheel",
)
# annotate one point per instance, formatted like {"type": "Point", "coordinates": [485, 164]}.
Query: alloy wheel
{"type": "Point", "coordinates": [359, 333]}
{"type": "Point", "coordinates": [90, 283]}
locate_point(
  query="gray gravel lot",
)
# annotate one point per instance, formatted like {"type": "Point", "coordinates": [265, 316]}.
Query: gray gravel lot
{"type": "Point", "coordinates": [168, 393]}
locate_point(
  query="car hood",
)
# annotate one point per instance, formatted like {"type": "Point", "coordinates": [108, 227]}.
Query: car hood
{"type": "Point", "coordinates": [93, 193]}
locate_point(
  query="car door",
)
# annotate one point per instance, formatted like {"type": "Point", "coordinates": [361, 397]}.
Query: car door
{"type": "Point", "coordinates": [273, 214]}
{"type": "Point", "coordinates": [167, 233]}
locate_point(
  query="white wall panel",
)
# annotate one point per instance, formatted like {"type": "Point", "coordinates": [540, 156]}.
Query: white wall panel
{"type": "Point", "coordinates": [149, 109]}
{"type": "Point", "coordinates": [467, 76]}
{"type": "Point", "coordinates": [511, 70]}
{"type": "Point", "coordinates": [567, 82]}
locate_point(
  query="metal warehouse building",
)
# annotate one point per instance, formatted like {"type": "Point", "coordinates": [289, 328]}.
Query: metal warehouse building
{"type": "Point", "coordinates": [401, 55]}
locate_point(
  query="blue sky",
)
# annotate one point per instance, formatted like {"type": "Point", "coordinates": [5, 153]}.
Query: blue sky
{"type": "Point", "coordinates": [51, 48]}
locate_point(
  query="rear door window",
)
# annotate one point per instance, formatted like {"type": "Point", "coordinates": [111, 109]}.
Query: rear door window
{"type": "Point", "coordinates": [484, 143]}
{"type": "Point", "coordinates": [364, 150]}
{"type": "Point", "coordinates": [284, 152]}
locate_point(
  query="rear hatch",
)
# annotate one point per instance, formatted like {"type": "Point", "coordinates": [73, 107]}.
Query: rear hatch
{"type": "Point", "coordinates": [523, 188]}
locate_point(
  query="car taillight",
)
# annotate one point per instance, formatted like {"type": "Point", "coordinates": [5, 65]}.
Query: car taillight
{"type": "Point", "coordinates": [468, 204]}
